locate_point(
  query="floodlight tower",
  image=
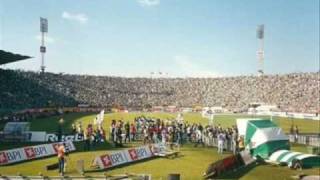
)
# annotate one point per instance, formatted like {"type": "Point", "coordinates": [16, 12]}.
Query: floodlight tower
{"type": "Point", "coordinates": [43, 30]}
{"type": "Point", "coordinates": [260, 53]}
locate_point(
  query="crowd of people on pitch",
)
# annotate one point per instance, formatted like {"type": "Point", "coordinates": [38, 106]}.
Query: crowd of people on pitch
{"type": "Point", "coordinates": [91, 135]}
{"type": "Point", "coordinates": [296, 92]}
{"type": "Point", "coordinates": [173, 132]}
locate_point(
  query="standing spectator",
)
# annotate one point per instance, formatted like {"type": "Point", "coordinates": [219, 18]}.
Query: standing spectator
{"type": "Point", "coordinates": [127, 131]}
{"type": "Point", "coordinates": [164, 135]}
{"type": "Point", "coordinates": [145, 135]}
{"type": "Point", "coordinates": [80, 131]}
{"type": "Point", "coordinates": [133, 131]}
{"type": "Point", "coordinates": [241, 143]}
{"type": "Point", "coordinates": [234, 141]}
{"type": "Point", "coordinates": [113, 136]}
{"type": "Point", "coordinates": [291, 130]}
{"type": "Point", "coordinates": [74, 129]}
{"type": "Point", "coordinates": [296, 133]}
{"type": "Point", "coordinates": [221, 139]}
{"type": "Point", "coordinates": [171, 138]}
{"type": "Point", "coordinates": [199, 138]}
{"type": "Point", "coordinates": [61, 158]}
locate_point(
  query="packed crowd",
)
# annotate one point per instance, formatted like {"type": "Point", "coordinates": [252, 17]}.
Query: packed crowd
{"type": "Point", "coordinates": [174, 132]}
{"type": "Point", "coordinates": [296, 92]}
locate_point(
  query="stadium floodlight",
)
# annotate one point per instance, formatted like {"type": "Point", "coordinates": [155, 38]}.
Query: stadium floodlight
{"type": "Point", "coordinates": [260, 52]}
{"type": "Point", "coordinates": [43, 25]}
{"type": "Point", "coordinates": [43, 29]}
{"type": "Point", "coordinates": [260, 32]}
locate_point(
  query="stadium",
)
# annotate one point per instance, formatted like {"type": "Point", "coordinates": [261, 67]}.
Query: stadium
{"type": "Point", "coordinates": [80, 125]}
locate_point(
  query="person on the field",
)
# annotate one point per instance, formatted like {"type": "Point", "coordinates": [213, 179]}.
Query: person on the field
{"type": "Point", "coordinates": [199, 140]}
{"type": "Point", "coordinates": [145, 135]}
{"type": "Point", "coordinates": [119, 133]}
{"type": "Point", "coordinates": [87, 142]}
{"type": "Point", "coordinates": [127, 132]}
{"type": "Point", "coordinates": [234, 141]}
{"type": "Point", "coordinates": [189, 133]}
{"type": "Point", "coordinates": [227, 139]}
{"type": "Point", "coordinates": [61, 158]}
{"type": "Point", "coordinates": [221, 139]}
{"type": "Point", "coordinates": [102, 133]}
{"type": "Point", "coordinates": [74, 129]}
{"type": "Point", "coordinates": [296, 133]}
{"type": "Point", "coordinates": [133, 132]}
{"type": "Point", "coordinates": [291, 130]}
{"type": "Point", "coordinates": [164, 135]}
{"type": "Point", "coordinates": [171, 138]}
{"type": "Point", "coordinates": [241, 143]}
{"type": "Point", "coordinates": [80, 131]}
{"type": "Point", "coordinates": [113, 136]}
{"type": "Point", "coordinates": [178, 136]}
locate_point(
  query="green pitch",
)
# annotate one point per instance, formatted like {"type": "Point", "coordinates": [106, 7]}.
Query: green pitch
{"type": "Point", "coordinates": [191, 165]}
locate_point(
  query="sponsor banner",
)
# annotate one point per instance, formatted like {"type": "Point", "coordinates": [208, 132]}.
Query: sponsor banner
{"type": "Point", "coordinates": [123, 157]}
{"type": "Point", "coordinates": [32, 152]}
{"type": "Point", "coordinates": [54, 138]}
{"type": "Point", "coordinates": [140, 153]}
{"type": "Point", "coordinates": [41, 136]}
{"type": "Point", "coordinates": [113, 159]}
{"type": "Point", "coordinates": [12, 156]}
{"type": "Point", "coordinates": [38, 136]}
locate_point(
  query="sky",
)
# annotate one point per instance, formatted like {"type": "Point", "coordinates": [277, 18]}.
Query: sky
{"type": "Point", "coordinates": [179, 38]}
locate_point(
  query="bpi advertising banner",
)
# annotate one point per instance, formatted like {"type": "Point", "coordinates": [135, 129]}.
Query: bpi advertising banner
{"type": "Point", "coordinates": [32, 152]}
{"type": "Point", "coordinates": [122, 157]}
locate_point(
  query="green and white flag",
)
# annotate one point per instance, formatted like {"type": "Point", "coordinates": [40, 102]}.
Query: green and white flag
{"type": "Point", "coordinates": [262, 137]}
{"type": "Point", "coordinates": [287, 157]}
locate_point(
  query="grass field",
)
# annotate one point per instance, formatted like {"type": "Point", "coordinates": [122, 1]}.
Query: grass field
{"type": "Point", "coordinates": [191, 164]}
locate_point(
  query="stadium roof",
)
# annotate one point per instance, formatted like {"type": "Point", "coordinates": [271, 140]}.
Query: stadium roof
{"type": "Point", "coordinates": [8, 57]}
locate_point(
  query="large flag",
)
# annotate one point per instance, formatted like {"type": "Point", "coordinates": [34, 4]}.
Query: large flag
{"type": "Point", "coordinates": [99, 118]}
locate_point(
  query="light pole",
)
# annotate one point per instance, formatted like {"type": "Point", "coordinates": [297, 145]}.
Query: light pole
{"type": "Point", "coordinates": [60, 130]}
{"type": "Point", "coordinates": [43, 30]}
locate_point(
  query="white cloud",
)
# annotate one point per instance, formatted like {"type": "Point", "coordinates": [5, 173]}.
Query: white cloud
{"type": "Point", "coordinates": [190, 68]}
{"type": "Point", "coordinates": [149, 2]}
{"type": "Point", "coordinates": [48, 39]}
{"type": "Point", "coordinates": [78, 17]}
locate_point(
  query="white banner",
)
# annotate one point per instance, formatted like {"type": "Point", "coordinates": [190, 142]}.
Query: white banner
{"type": "Point", "coordinates": [38, 136]}
{"type": "Point", "coordinates": [308, 116]}
{"type": "Point", "coordinates": [32, 152]}
{"type": "Point", "coordinates": [125, 156]}
{"type": "Point", "coordinates": [54, 138]}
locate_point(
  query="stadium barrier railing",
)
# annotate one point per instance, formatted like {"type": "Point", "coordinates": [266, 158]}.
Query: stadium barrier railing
{"type": "Point", "coordinates": [311, 140]}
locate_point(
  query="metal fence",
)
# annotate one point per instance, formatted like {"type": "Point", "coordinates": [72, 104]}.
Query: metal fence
{"type": "Point", "coordinates": [213, 142]}
{"type": "Point", "coordinates": [311, 140]}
